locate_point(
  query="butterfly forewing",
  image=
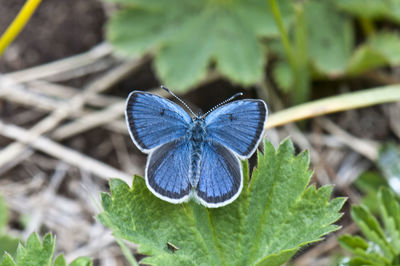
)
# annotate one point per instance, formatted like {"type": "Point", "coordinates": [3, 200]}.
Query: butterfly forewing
{"type": "Point", "coordinates": [167, 171]}
{"type": "Point", "coordinates": [153, 121]}
{"type": "Point", "coordinates": [238, 125]}
{"type": "Point", "coordinates": [220, 176]}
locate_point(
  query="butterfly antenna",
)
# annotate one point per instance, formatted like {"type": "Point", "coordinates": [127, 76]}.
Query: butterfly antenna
{"type": "Point", "coordinates": [224, 102]}
{"type": "Point", "coordinates": [179, 99]}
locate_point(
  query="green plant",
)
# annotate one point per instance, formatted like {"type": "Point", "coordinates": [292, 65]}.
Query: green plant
{"type": "Point", "coordinates": [331, 48]}
{"type": "Point", "coordinates": [382, 245]}
{"type": "Point", "coordinates": [186, 37]}
{"type": "Point", "coordinates": [274, 216]}
{"type": "Point", "coordinates": [13, 253]}
{"type": "Point", "coordinates": [37, 253]}
{"type": "Point", "coordinates": [388, 162]}
{"type": "Point", "coordinates": [237, 37]}
{"type": "Point", "coordinates": [7, 243]}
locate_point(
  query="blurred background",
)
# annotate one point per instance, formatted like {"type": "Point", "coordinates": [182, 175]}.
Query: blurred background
{"type": "Point", "coordinates": [65, 78]}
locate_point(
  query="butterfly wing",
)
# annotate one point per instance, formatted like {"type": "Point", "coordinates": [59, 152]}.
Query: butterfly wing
{"type": "Point", "coordinates": [221, 177]}
{"type": "Point", "coordinates": [153, 121]}
{"type": "Point", "coordinates": [238, 125]}
{"type": "Point", "coordinates": [167, 171]}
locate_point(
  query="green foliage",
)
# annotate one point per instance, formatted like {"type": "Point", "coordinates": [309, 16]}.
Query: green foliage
{"type": "Point", "coordinates": [389, 177]}
{"type": "Point", "coordinates": [3, 213]}
{"type": "Point", "coordinates": [37, 253]}
{"type": "Point", "coordinates": [7, 243]}
{"type": "Point", "coordinates": [283, 76]}
{"type": "Point", "coordinates": [274, 216]}
{"type": "Point", "coordinates": [187, 36]}
{"type": "Point", "coordinates": [389, 164]}
{"type": "Point", "coordinates": [372, 9]}
{"type": "Point", "coordinates": [381, 49]}
{"type": "Point", "coordinates": [330, 37]}
{"type": "Point", "coordinates": [369, 183]}
{"type": "Point", "coordinates": [382, 245]}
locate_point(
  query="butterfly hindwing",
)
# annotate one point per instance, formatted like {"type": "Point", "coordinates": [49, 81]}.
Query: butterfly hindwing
{"type": "Point", "coordinates": [238, 125]}
{"type": "Point", "coordinates": [153, 121]}
{"type": "Point", "coordinates": [220, 176]}
{"type": "Point", "coordinates": [167, 171]}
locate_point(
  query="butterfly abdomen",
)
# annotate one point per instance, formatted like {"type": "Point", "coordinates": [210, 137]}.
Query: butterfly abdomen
{"type": "Point", "coordinates": [198, 135]}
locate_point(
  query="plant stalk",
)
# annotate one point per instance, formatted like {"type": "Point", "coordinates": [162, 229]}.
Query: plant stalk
{"type": "Point", "coordinates": [334, 104]}
{"type": "Point", "coordinates": [18, 24]}
{"type": "Point", "coordinates": [284, 36]}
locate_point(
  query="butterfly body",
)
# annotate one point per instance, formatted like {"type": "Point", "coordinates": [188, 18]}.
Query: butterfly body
{"type": "Point", "coordinates": [194, 157]}
{"type": "Point", "coordinates": [197, 137]}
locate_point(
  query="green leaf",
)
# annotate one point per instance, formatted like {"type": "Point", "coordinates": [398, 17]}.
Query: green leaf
{"type": "Point", "coordinates": [7, 260]}
{"type": "Point", "coordinates": [383, 245]}
{"type": "Point", "coordinates": [381, 49]}
{"type": "Point", "coordinates": [60, 261]}
{"type": "Point", "coordinates": [369, 183]}
{"type": "Point", "coordinates": [283, 76]}
{"type": "Point", "coordinates": [37, 253]}
{"type": "Point", "coordinates": [3, 214]}
{"type": "Point", "coordinates": [372, 9]}
{"type": "Point", "coordinates": [364, 59]}
{"type": "Point", "coordinates": [389, 164]}
{"type": "Point", "coordinates": [274, 216]}
{"type": "Point", "coordinates": [194, 34]}
{"type": "Point", "coordinates": [8, 244]}
{"type": "Point", "coordinates": [390, 213]}
{"type": "Point", "coordinates": [82, 261]}
{"type": "Point", "coordinates": [330, 37]}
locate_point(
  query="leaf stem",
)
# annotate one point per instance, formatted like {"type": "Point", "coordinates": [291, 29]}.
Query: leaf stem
{"type": "Point", "coordinates": [367, 26]}
{"type": "Point", "coordinates": [125, 250]}
{"type": "Point", "coordinates": [301, 92]}
{"type": "Point", "coordinates": [19, 22]}
{"type": "Point", "coordinates": [284, 36]}
{"type": "Point", "coordinates": [334, 104]}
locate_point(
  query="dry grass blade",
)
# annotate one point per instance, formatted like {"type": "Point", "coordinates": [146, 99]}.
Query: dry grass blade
{"type": "Point", "coordinates": [76, 103]}
{"type": "Point", "coordinates": [368, 148]}
{"type": "Point", "coordinates": [63, 153]}
{"type": "Point", "coordinates": [61, 66]}
{"type": "Point", "coordinates": [89, 121]}
{"type": "Point", "coordinates": [335, 104]}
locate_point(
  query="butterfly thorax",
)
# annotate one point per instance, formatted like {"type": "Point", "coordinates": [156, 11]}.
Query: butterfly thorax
{"type": "Point", "coordinates": [197, 135]}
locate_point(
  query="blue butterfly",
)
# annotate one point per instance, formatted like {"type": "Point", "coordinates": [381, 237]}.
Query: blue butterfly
{"type": "Point", "coordinates": [195, 156]}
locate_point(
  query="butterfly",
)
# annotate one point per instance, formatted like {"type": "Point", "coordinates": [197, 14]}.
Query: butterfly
{"type": "Point", "coordinates": [195, 156]}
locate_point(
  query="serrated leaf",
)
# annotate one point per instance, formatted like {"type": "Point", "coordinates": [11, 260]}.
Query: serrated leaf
{"type": "Point", "coordinates": [273, 217]}
{"type": "Point", "coordinates": [330, 37]}
{"type": "Point", "coordinates": [372, 9]}
{"type": "Point", "coordinates": [7, 260]}
{"type": "Point", "coordinates": [194, 34]}
{"type": "Point", "coordinates": [383, 245]}
{"type": "Point", "coordinates": [36, 252]}
{"type": "Point", "coordinates": [8, 244]}
{"type": "Point", "coordinates": [390, 213]}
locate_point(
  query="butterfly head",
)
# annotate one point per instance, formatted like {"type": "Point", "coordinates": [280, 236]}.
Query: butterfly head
{"type": "Point", "coordinates": [201, 116]}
